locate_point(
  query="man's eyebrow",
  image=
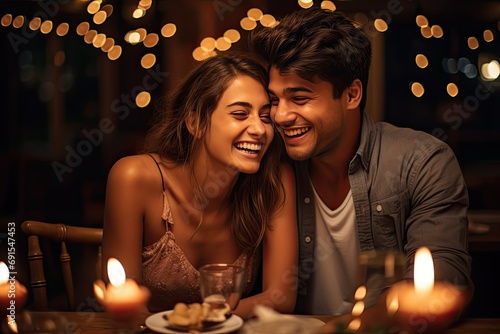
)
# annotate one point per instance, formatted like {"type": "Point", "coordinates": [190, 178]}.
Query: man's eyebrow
{"type": "Point", "coordinates": [290, 90]}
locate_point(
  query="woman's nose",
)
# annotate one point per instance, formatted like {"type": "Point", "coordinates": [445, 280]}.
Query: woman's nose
{"type": "Point", "coordinates": [257, 127]}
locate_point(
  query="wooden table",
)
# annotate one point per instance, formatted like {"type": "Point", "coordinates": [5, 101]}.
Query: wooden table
{"type": "Point", "coordinates": [100, 323]}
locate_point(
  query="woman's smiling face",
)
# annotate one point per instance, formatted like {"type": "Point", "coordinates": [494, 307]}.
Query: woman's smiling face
{"type": "Point", "coordinates": [240, 128]}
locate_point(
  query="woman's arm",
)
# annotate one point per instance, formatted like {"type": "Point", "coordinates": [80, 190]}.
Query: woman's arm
{"type": "Point", "coordinates": [279, 281]}
{"type": "Point", "coordinates": [123, 216]}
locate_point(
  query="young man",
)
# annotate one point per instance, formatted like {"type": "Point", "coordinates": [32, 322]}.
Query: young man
{"type": "Point", "coordinates": [360, 185]}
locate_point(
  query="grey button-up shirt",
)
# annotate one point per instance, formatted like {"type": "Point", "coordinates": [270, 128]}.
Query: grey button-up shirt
{"type": "Point", "coordinates": [408, 192]}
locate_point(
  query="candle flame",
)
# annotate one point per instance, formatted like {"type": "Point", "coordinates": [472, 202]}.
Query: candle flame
{"type": "Point", "coordinates": [4, 273]}
{"type": "Point", "coordinates": [423, 271]}
{"type": "Point", "coordinates": [116, 273]}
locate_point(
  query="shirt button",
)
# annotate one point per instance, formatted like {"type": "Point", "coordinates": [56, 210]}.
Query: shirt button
{"type": "Point", "coordinates": [379, 208]}
{"type": "Point", "coordinates": [307, 200]}
{"type": "Point", "coordinates": [307, 239]}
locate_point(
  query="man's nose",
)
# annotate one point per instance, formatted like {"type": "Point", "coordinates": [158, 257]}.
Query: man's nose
{"type": "Point", "coordinates": [282, 114]}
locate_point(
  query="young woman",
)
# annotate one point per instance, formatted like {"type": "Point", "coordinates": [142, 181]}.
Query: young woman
{"type": "Point", "coordinates": [210, 189]}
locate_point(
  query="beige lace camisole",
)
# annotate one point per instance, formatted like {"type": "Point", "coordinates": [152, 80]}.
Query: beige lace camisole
{"type": "Point", "coordinates": [170, 276]}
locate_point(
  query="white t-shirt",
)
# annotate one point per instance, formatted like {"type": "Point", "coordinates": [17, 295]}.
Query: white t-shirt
{"type": "Point", "coordinates": [332, 283]}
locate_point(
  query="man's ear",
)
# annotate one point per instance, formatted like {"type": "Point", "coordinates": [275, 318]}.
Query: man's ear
{"type": "Point", "coordinates": [354, 94]}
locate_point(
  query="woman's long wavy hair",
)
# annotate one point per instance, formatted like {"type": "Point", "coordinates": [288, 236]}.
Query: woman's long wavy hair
{"type": "Point", "coordinates": [254, 197]}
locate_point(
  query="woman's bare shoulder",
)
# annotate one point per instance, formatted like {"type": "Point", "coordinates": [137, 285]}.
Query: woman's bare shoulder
{"type": "Point", "coordinates": [136, 169]}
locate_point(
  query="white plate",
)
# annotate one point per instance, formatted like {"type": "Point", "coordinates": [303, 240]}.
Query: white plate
{"type": "Point", "coordinates": [158, 323]}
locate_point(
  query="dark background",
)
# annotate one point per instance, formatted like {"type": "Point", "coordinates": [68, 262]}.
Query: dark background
{"type": "Point", "coordinates": [47, 109]}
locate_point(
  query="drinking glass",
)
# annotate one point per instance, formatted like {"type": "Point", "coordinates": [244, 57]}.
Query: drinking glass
{"type": "Point", "coordinates": [222, 284]}
{"type": "Point", "coordinates": [378, 270]}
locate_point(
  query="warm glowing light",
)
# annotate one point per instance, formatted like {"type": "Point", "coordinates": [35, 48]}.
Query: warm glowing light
{"type": "Point", "coordinates": [417, 89]}
{"type": "Point", "coordinates": [99, 290]}
{"type": "Point", "coordinates": [35, 23]}
{"type": "Point", "coordinates": [89, 36]}
{"type": "Point", "coordinates": [6, 20]}
{"type": "Point", "coordinates": [358, 308]}
{"type": "Point", "coordinates": [248, 24]}
{"type": "Point", "coordinates": [199, 54]}
{"type": "Point", "coordinates": [12, 324]}
{"type": "Point", "coordinates": [99, 40]}
{"type": "Point", "coordinates": [115, 52]}
{"type": "Point", "coordinates": [46, 27]}
{"type": "Point", "coordinates": [18, 21]}
{"type": "Point", "coordinates": [437, 31]}
{"type": "Point", "coordinates": [392, 302]}
{"type": "Point", "coordinates": [142, 32]}
{"type": "Point", "coordinates": [360, 293]}
{"type": "Point", "coordinates": [380, 25]}
{"type": "Point", "coordinates": [138, 13]}
{"type": "Point", "coordinates": [142, 99]}
{"type": "Point", "coordinates": [148, 60]}
{"type": "Point", "coordinates": [490, 71]}
{"type": "Point", "coordinates": [421, 21]}
{"type": "Point", "coordinates": [4, 273]}
{"type": "Point", "coordinates": [233, 35]}
{"type": "Point", "coordinates": [82, 28]}
{"type": "Point", "coordinates": [62, 29]}
{"type": "Point", "coordinates": [328, 5]}
{"type": "Point", "coordinates": [452, 89]}
{"type": "Point", "coordinates": [493, 69]}
{"type": "Point", "coordinates": [423, 271]}
{"type": "Point", "coordinates": [473, 43]}
{"type": "Point", "coordinates": [255, 14]}
{"type": "Point", "coordinates": [168, 30]}
{"type": "Point", "coordinates": [268, 20]}
{"type": "Point", "coordinates": [93, 7]}
{"type": "Point", "coordinates": [421, 61]}
{"type": "Point", "coordinates": [426, 32]}
{"type": "Point", "coordinates": [208, 44]}
{"type": "Point", "coordinates": [488, 36]}
{"type": "Point", "coordinates": [116, 273]}
{"type": "Point", "coordinates": [305, 3]}
{"type": "Point", "coordinates": [100, 17]}
{"type": "Point", "coordinates": [110, 42]}
{"type": "Point", "coordinates": [134, 38]}
{"type": "Point", "coordinates": [354, 325]}
{"type": "Point", "coordinates": [151, 40]}
{"type": "Point", "coordinates": [145, 4]}
{"type": "Point", "coordinates": [222, 43]}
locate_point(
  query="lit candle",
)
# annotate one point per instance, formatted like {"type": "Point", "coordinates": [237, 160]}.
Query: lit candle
{"type": "Point", "coordinates": [123, 299]}
{"type": "Point", "coordinates": [12, 293]}
{"type": "Point", "coordinates": [424, 305]}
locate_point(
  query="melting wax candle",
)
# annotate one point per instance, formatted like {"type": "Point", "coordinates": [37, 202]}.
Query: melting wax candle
{"type": "Point", "coordinates": [12, 293]}
{"type": "Point", "coordinates": [424, 305]}
{"type": "Point", "coordinates": [123, 299]}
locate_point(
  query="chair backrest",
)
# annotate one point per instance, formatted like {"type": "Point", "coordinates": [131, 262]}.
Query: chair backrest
{"type": "Point", "coordinates": [62, 234]}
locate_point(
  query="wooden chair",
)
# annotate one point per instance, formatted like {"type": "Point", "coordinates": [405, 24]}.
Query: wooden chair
{"type": "Point", "coordinates": [62, 234]}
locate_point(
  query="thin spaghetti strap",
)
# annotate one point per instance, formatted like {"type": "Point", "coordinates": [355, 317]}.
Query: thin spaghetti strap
{"type": "Point", "coordinates": [161, 174]}
{"type": "Point", "coordinates": [166, 214]}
